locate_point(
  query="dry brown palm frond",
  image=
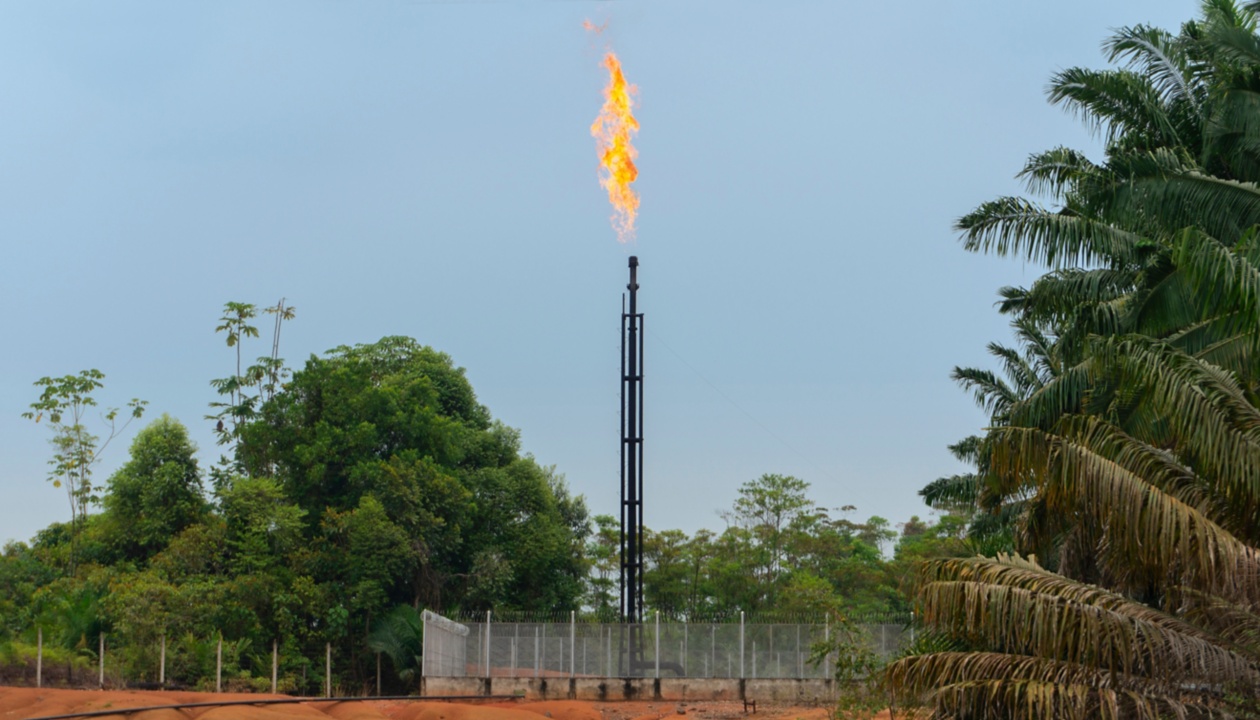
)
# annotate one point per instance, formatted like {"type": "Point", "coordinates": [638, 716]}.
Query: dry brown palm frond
{"type": "Point", "coordinates": [1238, 623]}
{"type": "Point", "coordinates": [926, 675]}
{"type": "Point", "coordinates": [1042, 624]}
{"type": "Point", "coordinates": [1013, 571]}
{"type": "Point", "coordinates": [1003, 699]}
{"type": "Point", "coordinates": [1145, 528]}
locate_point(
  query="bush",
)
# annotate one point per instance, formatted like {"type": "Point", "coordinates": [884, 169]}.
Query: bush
{"type": "Point", "coordinates": [61, 667]}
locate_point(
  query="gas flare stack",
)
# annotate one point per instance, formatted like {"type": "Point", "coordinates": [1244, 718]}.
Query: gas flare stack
{"type": "Point", "coordinates": [632, 472]}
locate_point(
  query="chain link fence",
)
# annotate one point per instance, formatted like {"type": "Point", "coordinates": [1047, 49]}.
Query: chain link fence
{"type": "Point", "coordinates": [484, 647]}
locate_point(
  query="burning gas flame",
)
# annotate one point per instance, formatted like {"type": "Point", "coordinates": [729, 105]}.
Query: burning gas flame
{"type": "Point", "coordinates": [612, 131]}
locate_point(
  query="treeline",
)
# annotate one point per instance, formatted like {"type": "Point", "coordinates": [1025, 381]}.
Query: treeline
{"type": "Point", "coordinates": [352, 492]}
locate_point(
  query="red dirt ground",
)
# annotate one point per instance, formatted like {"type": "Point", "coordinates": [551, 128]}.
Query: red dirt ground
{"type": "Point", "coordinates": [22, 703]}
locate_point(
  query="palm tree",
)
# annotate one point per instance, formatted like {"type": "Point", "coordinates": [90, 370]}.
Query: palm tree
{"type": "Point", "coordinates": [1140, 456]}
{"type": "Point", "coordinates": [992, 507]}
{"type": "Point", "coordinates": [399, 634]}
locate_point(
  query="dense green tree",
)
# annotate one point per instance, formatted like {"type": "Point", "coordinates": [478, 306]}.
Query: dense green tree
{"type": "Point", "coordinates": [22, 573]}
{"type": "Point", "coordinates": [603, 554]}
{"type": "Point", "coordinates": [398, 422]}
{"type": "Point", "coordinates": [156, 493]}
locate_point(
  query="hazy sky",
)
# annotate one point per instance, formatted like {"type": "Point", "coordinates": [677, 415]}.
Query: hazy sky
{"type": "Point", "coordinates": [425, 169]}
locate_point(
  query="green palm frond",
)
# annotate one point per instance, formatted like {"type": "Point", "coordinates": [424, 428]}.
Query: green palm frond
{"type": "Point", "coordinates": [1059, 295]}
{"type": "Point", "coordinates": [1158, 56]}
{"type": "Point", "coordinates": [1012, 226]}
{"type": "Point", "coordinates": [952, 492]}
{"type": "Point", "coordinates": [399, 634]}
{"type": "Point", "coordinates": [1067, 393]}
{"type": "Point", "coordinates": [1225, 279]}
{"type": "Point", "coordinates": [1017, 368]}
{"type": "Point", "coordinates": [1115, 103]}
{"type": "Point", "coordinates": [991, 393]}
{"type": "Point", "coordinates": [1210, 413]}
{"type": "Point", "coordinates": [1221, 208]}
{"type": "Point", "coordinates": [1232, 134]}
{"type": "Point", "coordinates": [968, 449]}
{"type": "Point", "coordinates": [1055, 172]}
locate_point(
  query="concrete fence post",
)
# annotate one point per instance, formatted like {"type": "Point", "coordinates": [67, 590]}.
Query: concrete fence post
{"type": "Point", "coordinates": [101, 657]}
{"type": "Point", "coordinates": [162, 663]}
{"type": "Point", "coordinates": [39, 657]}
{"type": "Point", "coordinates": [327, 669]}
{"type": "Point", "coordinates": [487, 643]}
{"type": "Point", "coordinates": [218, 666]}
{"type": "Point", "coordinates": [275, 663]}
{"type": "Point", "coordinates": [573, 644]}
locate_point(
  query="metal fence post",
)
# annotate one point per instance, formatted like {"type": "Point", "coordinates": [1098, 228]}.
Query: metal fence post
{"type": "Point", "coordinates": [327, 669]}
{"type": "Point", "coordinates": [658, 643]}
{"type": "Point", "coordinates": [39, 657]}
{"type": "Point", "coordinates": [275, 663]}
{"type": "Point", "coordinates": [487, 643]}
{"type": "Point", "coordinates": [827, 641]}
{"type": "Point", "coordinates": [741, 644]}
{"type": "Point", "coordinates": [713, 649]}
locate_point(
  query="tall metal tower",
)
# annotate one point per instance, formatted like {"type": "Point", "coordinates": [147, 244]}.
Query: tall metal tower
{"type": "Point", "coordinates": [632, 468]}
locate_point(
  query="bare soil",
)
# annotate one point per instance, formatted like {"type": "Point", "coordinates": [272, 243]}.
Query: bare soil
{"type": "Point", "coordinates": [20, 703]}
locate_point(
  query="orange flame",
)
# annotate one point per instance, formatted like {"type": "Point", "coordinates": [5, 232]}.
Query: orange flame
{"type": "Point", "coordinates": [612, 131]}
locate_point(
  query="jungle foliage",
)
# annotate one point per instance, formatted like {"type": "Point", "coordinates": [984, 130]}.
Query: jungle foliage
{"type": "Point", "coordinates": [352, 493]}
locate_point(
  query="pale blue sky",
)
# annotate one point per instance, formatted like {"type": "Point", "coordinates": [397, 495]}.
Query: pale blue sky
{"type": "Point", "coordinates": [424, 169]}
